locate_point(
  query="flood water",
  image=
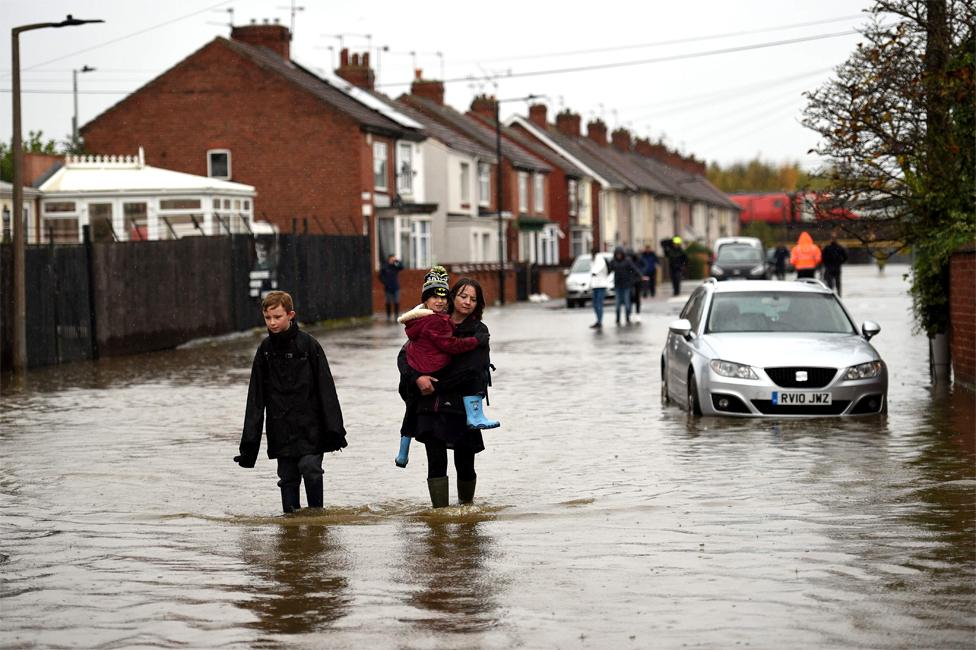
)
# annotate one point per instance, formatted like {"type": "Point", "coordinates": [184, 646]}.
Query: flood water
{"type": "Point", "coordinates": [602, 519]}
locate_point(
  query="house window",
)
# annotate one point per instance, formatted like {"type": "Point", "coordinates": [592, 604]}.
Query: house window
{"type": "Point", "coordinates": [538, 193]}
{"type": "Point", "coordinates": [547, 246]}
{"type": "Point", "coordinates": [405, 170]}
{"type": "Point", "coordinates": [484, 184]}
{"type": "Point", "coordinates": [465, 183]}
{"type": "Point", "coordinates": [523, 192]}
{"type": "Point", "coordinates": [406, 237]}
{"type": "Point", "coordinates": [218, 163]}
{"type": "Point", "coordinates": [379, 166]}
{"type": "Point", "coordinates": [572, 193]}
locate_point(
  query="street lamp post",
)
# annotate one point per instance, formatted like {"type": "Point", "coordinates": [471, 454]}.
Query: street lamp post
{"type": "Point", "coordinates": [499, 193]}
{"type": "Point", "coordinates": [74, 90]}
{"type": "Point", "coordinates": [19, 243]}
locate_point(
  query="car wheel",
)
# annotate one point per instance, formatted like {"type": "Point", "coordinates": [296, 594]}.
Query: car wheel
{"type": "Point", "coordinates": [569, 303]}
{"type": "Point", "coordinates": [665, 396]}
{"type": "Point", "coordinates": [694, 406]}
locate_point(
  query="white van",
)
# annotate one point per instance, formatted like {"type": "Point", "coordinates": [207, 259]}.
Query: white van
{"type": "Point", "coordinates": [578, 280]}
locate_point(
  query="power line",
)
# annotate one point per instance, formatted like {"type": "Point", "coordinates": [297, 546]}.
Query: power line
{"type": "Point", "coordinates": [623, 64]}
{"type": "Point", "coordinates": [677, 41]}
{"type": "Point", "coordinates": [122, 38]}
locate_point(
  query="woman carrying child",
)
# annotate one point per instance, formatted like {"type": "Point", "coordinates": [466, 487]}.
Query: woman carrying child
{"type": "Point", "coordinates": [442, 421]}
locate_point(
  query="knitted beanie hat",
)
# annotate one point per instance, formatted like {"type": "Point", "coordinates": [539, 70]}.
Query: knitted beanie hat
{"type": "Point", "coordinates": [435, 283]}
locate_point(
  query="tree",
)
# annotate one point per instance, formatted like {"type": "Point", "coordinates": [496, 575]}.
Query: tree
{"type": "Point", "coordinates": [760, 176]}
{"type": "Point", "coordinates": [897, 129]}
{"type": "Point", "coordinates": [34, 143]}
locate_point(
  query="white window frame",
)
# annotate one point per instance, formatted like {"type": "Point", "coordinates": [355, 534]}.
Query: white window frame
{"type": "Point", "coordinates": [539, 193]}
{"type": "Point", "coordinates": [380, 158]}
{"type": "Point", "coordinates": [547, 245]}
{"type": "Point", "coordinates": [405, 169]}
{"type": "Point", "coordinates": [210, 154]}
{"type": "Point", "coordinates": [465, 193]}
{"type": "Point", "coordinates": [523, 192]}
{"type": "Point", "coordinates": [572, 193]}
{"type": "Point", "coordinates": [484, 184]}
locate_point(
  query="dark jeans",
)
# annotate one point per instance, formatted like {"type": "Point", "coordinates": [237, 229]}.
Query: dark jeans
{"type": "Point", "coordinates": [805, 273]}
{"type": "Point", "coordinates": [599, 295]}
{"type": "Point", "coordinates": [832, 279]}
{"type": "Point", "coordinates": [392, 303]}
{"type": "Point", "coordinates": [437, 461]}
{"type": "Point", "coordinates": [292, 470]}
{"type": "Point", "coordinates": [676, 281]}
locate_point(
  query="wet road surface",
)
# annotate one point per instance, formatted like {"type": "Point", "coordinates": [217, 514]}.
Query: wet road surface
{"type": "Point", "coordinates": [602, 519]}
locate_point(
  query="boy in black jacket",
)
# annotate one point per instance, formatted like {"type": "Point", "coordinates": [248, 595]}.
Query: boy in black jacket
{"type": "Point", "coordinates": [290, 378]}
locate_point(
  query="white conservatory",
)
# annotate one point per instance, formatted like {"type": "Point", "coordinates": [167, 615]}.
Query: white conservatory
{"type": "Point", "coordinates": [124, 199]}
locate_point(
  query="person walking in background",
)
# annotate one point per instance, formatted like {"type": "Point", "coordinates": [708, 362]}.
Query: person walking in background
{"type": "Point", "coordinates": [291, 379]}
{"type": "Point", "coordinates": [599, 281]}
{"type": "Point", "coordinates": [677, 261]}
{"type": "Point", "coordinates": [649, 259]}
{"type": "Point", "coordinates": [635, 296]}
{"type": "Point", "coordinates": [834, 256]}
{"type": "Point", "coordinates": [780, 255]}
{"type": "Point", "coordinates": [805, 256]}
{"type": "Point", "coordinates": [389, 276]}
{"type": "Point", "coordinates": [625, 276]}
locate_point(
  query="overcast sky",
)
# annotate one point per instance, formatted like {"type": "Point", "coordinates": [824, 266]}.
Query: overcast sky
{"type": "Point", "coordinates": [705, 75]}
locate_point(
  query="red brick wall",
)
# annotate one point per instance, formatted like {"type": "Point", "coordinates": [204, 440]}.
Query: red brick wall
{"type": "Point", "coordinates": [411, 281]}
{"type": "Point", "coordinates": [962, 314]}
{"type": "Point", "coordinates": [302, 156]}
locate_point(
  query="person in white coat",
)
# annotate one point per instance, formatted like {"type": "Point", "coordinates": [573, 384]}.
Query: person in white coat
{"type": "Point", "coordinates": [599, 281]}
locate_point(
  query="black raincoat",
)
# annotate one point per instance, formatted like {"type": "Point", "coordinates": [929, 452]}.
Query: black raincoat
{"type": "Point", "coordinates": [290, 378]}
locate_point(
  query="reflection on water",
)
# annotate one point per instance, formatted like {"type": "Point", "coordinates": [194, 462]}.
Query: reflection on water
{"type": "Point", "coordinates": [300, 583]}
{"type": "Point", "coordinates": [452, 586]}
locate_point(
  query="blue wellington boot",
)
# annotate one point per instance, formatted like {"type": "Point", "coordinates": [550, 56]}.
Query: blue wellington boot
{"type": "Point", "coordinates": [403, 456]}
{"type": "Point", "coordinates": [476, 416]}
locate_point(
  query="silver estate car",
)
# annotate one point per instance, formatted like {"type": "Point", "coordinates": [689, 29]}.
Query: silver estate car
{"type": "Point", "coordinates": [768, 348]}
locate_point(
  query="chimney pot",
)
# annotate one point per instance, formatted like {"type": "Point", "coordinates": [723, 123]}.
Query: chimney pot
{"type": "Point", "coordinates": [596, 131]}
{"type": "Point", "coordinates": [568, 123]}
{"type": "Point", "coordinates": [355, 69]}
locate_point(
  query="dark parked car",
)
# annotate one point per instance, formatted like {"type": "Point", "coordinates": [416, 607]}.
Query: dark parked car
{"type": "Point", "coordinates": [739, 258]}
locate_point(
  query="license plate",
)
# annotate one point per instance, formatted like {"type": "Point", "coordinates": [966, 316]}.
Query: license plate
{"type": "Point", "coordinates": [791, 398]}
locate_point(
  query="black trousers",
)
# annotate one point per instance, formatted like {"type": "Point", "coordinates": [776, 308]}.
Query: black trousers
{"type": "Point", "coordinates": [832, 279]}
{"type": "Point", "coordinates": [292, 470]}
{"type": "Point", "coordinates": [437, 461]}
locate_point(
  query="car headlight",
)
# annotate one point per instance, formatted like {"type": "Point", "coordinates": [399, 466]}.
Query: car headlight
{"type": "Point", "coordinates": [729, 369]}
{"type": "Point", "coordinates": [864, 370]}
{"type": "Point", "coordinates": [758, 270]}
{"type": "Point", "coordinates": [717, 270]}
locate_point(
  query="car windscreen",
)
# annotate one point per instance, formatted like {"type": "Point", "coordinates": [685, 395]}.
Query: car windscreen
{"type": "Point", "coordinates": [777, 311]}
{"type": "Point", "coordinates": [739, 254]}
{"type": "Point", "coordinates": [581, 265]}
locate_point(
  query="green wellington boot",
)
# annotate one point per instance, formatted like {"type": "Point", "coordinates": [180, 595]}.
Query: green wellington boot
{"type": "Point", "coordinates": [439, 491]}
{"type": "Point", "coordinates": [466, 490]}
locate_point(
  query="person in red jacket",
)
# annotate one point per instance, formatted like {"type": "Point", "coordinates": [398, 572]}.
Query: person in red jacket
{"type": "Point", "coordinates": [805, 256]}
{"type": "Point", "coordinates": [429, 348]}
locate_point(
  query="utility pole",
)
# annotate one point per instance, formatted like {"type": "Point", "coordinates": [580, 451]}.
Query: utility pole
{"type": "Point", "coordinates": [20, 225]}
{"type": "Point", "coordinates": [74, 119]}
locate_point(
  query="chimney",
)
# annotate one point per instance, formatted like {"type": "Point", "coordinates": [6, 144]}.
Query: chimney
{"type": "Point", "coordinates": [644, 147]}
{"type": "Point", "coordinates": [596, 131]}
{"type": "Point", "coordinates": [426, 88]}
{"type": "Point", "coordinates": [621, 139]}
{"type": "Point", "coordinates": [274, 37]}
{"type": "Point", "coordinates": [568, 123]}
{"type": "Point", "coordinates": [537, 115]}
{"type": "Point", "coordinates": [355, 69]}
{"type": "Point", "coordinates": [484, 105]}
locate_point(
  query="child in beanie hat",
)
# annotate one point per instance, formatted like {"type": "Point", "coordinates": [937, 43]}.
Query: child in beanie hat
{"type": "Point", "coordinates": [430, 346]}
